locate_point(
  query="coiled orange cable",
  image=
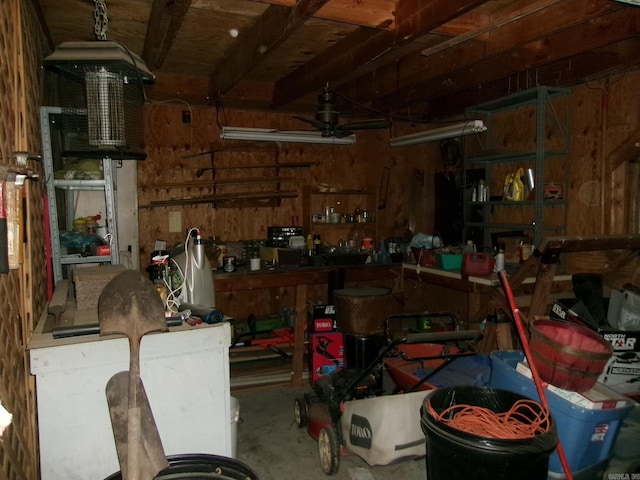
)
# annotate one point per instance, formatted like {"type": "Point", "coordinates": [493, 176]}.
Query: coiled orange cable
{"type": "Point", "coordinates": [525, 419]}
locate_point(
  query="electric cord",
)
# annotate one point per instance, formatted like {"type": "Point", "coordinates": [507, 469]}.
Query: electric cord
{"type": "Point", "coordinates": [525, 419]}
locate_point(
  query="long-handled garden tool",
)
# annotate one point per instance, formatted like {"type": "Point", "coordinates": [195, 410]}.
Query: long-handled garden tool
{"type": "Point", "coordinates": [534, 371]}
{"type": "Point", "coordinates": [130, 305]}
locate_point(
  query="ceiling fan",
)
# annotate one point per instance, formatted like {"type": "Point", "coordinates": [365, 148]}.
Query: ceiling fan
{"type": "Point", "coordinates": [328, 118]}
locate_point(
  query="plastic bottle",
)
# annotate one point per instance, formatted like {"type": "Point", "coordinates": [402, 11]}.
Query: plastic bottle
{"type": "Point", "coordinates": [482, 197]}
{"type": "Point", "coordinates": [383, 253]}
{"type": "Point", "coordinates": [316, 244]}
{"type": "Point", "coordinates": [309, 244]}
{"type": "Point", "coordinates": [470, 247]}
{"type": "Point", "coordinates": [499, 259]}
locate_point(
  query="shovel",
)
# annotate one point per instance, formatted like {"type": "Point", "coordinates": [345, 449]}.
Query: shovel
{"type": "Point", "coordinates": [130, 305]}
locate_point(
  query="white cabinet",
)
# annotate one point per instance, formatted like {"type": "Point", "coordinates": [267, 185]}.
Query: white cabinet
{"type": "Point", "coordinates": [186, 376]}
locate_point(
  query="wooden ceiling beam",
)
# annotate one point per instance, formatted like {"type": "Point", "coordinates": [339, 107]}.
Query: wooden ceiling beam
{"type": "Point", "coordinates": [412, 72]}
{"type": "Point", "coordinates": [372, 13]}
{"type": "Point", "coordinates": [597, 33]}
{"type": "Point", "coordinates": [273, 27]}
{"type": "Point", "coordinates": [616, 58]}
{"type": "Point", "coordinates": [165, 20]}
{"type": "Point", "coordinates": [413, 19]}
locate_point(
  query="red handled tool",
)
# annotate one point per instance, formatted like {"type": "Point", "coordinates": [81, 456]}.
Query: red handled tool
{"type": "Point", "coordinates": [534, 371]}
{"type": "Point", "coordinates": [4, 245]}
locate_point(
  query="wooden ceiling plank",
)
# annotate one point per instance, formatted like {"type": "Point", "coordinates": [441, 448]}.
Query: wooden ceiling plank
{"type": "Point", "coordinates": [373, 13]}
{"type": "Point", "coordinates": [504, 20]}
{"type": "Point", "coordinates": [269, 31]}
{"type": "Point", "coordinates": [413, 19]}
{"type": "Point", "coordinates": [606, 30]}
{"type": "Point", "coordinates": [164, 23]}
{"type": "Point", "coordinates": [417, 18]}
{"type": "Point", "coordinates": [416, 69]}
{"type": "Point", "coordinates": [569, 71]}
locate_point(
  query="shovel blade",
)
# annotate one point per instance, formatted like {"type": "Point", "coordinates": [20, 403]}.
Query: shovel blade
{"type": "Point", "coordinates": [151, 458]}
{"type": "Point", "coordinates": [129, 304]}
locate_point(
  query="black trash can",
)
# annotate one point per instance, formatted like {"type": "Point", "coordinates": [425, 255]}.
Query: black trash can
{"type": "Point", "coordinates": [453, 453]}
{"type": "Point", "coordinates": [201, 466]}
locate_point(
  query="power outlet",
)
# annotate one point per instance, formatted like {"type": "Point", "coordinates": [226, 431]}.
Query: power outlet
{"type": "Point", "coordinates": [175, 222]}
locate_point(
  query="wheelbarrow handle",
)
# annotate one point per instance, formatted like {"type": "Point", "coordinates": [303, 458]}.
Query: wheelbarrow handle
{"type": "Point", "coordinates": [437, 337]}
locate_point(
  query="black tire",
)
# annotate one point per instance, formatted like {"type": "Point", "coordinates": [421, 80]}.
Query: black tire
{"type": "Point", "coordinates": [329, 451]}
{"type": "Point", "coordinates": [300, 412]}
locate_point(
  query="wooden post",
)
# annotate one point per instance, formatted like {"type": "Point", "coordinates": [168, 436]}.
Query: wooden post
{"type": "Point", "coordinates": [298, 335]}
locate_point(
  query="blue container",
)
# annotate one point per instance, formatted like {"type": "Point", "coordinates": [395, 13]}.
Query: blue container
{"type": "Point", "coordinates": [586, 435]}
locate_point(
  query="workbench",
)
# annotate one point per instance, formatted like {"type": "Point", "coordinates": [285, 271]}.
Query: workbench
{"type": "Point", "coordinates": [473, 299]}
{"type": "Point", "coordinates": [262, 292]}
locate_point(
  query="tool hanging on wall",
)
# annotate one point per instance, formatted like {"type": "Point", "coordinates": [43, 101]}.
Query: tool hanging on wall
{"type": "Point", "coordinates": [515, 311]}
{"type": "Point", "coordinates": [14, 209]}
{"type": "Point", "coordinates": [4, 248]}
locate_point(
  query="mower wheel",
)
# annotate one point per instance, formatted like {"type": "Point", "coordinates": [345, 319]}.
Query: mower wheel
{"type": "Point", "coordinates": [329, 450]}
{"type": "Point", "coordinates": [300, 412]}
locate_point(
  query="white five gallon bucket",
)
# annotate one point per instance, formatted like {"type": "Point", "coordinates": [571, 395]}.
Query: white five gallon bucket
{"type": "Point", "coordinates": [235, 416]}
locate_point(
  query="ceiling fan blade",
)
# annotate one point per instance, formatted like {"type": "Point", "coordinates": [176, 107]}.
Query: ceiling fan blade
{"type": "Point", "coordinates": [340, 132]}
{"type": "Point", "coordinates": [372, 124]}
{"type": "Point", "coordinates": [315, 123]}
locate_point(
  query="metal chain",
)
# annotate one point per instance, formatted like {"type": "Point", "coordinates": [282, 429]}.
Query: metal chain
{"type": "Point", "coordinates": [101, 19]}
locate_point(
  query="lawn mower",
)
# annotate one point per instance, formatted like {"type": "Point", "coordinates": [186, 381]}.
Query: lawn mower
{"type": "Point", "coordinates": [347, 409]}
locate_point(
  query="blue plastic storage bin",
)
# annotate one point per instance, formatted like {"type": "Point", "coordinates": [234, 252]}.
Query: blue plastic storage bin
{"type": "Point", "coordinates": [586, 435]}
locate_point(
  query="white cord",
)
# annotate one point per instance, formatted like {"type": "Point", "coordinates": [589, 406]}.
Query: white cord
{"type": "Point", "coordinates": [186, 256]}
{"type": "Point", "coordinates": [172, 303]}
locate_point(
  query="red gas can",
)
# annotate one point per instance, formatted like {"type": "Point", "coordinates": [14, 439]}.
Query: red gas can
{"type": "Point", "coordinates": [477, 264]}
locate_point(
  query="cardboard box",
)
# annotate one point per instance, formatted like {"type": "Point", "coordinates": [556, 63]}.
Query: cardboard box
{"type": "Point", "coordinates": [322, 318]}
{"type": "Point", "coordinates": [90, 281]}
{"type": "Point", "coordinates": [622, 374]}
{"type": "Point", "coordinates": [327, 354]}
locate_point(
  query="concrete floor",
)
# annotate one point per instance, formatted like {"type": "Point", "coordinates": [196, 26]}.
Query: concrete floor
{"type": "Point", "coordinates": [270, 442]}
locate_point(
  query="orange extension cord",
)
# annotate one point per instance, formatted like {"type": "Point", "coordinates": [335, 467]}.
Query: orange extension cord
{"type": "Point", "coordinates": [525, 419]}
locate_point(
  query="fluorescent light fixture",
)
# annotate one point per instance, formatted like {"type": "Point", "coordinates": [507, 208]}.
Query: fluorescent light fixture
{"type": "Point", "coordinates": [449, 131]}
{"type": "Point", "coordinates": [268, 135]}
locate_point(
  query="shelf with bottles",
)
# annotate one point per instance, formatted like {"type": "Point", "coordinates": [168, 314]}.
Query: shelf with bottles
{"type": "Point", "coordinates": [522, 159]}
{"type": "Point", "coordinates": [339, 216]}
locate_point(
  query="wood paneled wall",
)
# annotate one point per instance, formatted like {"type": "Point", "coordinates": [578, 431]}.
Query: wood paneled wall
{"type": "Point", "coordinates": [603, 198]}
{"type": "Point", "coordinates": [23, 289]}
{"type": "Point", "coordinates": [171, 145]}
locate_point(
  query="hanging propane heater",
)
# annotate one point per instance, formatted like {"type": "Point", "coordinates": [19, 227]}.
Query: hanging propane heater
{"type": "Point", "coordinates": [100, 88]}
